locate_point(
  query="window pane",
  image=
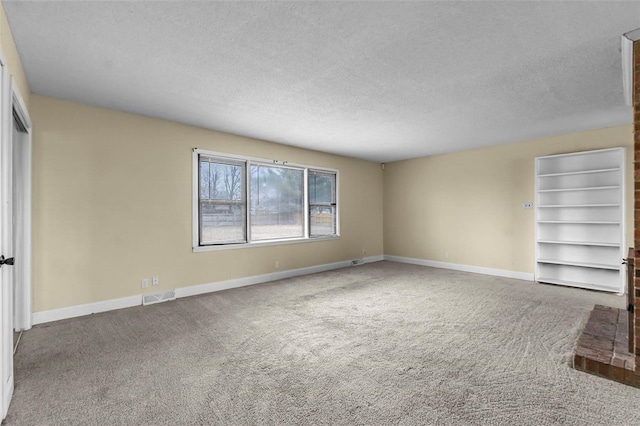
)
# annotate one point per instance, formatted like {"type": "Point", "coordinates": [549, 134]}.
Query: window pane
{"type": "Point", "coordinates": [323, 220]}
{"type": "Point", "coordinates": [322, 203]}
{"type": "Point", "coordinates": [222, 201]}
{"type": "Point", "coordinates": [277, 197]}
{"type": "Point", "coordinates": [322, 187]}
{"type": "Point", "coordinates": [221, 181]}
{"type": "Point", "coordinates": [222, 223]}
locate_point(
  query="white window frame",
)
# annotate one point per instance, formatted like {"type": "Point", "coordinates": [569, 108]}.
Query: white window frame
{"type": "Point", "coordinates": [260, 161]}
{"type": "Point", "coordinates": [308, 206]}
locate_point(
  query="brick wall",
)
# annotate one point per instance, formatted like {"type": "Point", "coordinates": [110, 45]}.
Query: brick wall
{"type": "Point", "coordinates": [636, 211]}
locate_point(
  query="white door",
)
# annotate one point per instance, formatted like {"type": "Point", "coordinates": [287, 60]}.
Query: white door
{"type": "Point", "coordinates": [6, 238]}
{"type": "Point", "coordinates": [15, 133]}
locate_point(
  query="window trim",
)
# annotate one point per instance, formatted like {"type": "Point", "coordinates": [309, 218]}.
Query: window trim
{"type": "Point", "coordinates": [196, 247]}
{"type": "Point", "coordinates": [309, 203]}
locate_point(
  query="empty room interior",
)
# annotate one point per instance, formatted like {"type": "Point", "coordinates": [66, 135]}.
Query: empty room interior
{"type": "Point", "coordinates": [243, 213]}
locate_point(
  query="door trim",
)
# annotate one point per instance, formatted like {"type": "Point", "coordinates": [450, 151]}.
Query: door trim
{"type": "Point", "coordinates": [23, 297]}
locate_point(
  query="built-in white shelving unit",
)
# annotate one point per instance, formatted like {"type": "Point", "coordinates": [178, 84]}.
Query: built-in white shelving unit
{"type": "Point", "coordinates": [580, 219]}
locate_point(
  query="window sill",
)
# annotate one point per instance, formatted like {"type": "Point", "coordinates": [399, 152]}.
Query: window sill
{"type": "Point", "coordinates": [262, 244]}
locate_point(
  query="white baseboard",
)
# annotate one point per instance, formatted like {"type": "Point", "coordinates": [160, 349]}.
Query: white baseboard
{"type": "Point", "coordinates": [465, 268]}
{"type": "Point", "coordinates": [257, 279]}
{"type": "Point", "coordinates": [127, 302]}
{"type": "Point", "coordinates": [371, 259]}
{"type": "Point", "coordinates": [87, 309]}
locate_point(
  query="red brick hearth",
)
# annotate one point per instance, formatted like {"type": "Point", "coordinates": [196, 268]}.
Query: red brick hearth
{"type": "Point", "coordinates": [603, 346]}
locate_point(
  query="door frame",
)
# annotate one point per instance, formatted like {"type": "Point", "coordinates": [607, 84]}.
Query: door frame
{"type": "Point", "coordinates": [23, 296]}
{"type": "Point", "coordinates": [10, 100]}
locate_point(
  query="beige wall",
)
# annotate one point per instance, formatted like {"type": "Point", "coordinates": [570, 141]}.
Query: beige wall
{"type": "Point", "coordinates": [112, 205]}
{"type": "Point", "coordinates": [8, 48]}
{"type": "Point", "coordinates": [469, 204]}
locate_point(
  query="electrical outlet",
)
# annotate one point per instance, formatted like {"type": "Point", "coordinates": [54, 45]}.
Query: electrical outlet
{"type": "Point", "coordinates": [528, 205]}
{"type": "Point", "coordinates": [156, 280]}
{"type": "Point", "coordinates": [276, 265]}
{"type": "Point", "coordinates": [364, 251]}
{"type": "Point", "coordinates": [145, 282]}
{"type": "Point", "coordinates": [446, 256]}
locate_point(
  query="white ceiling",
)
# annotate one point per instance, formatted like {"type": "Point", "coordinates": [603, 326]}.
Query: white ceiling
{"type": "Point", "coordinates": [377, 80]}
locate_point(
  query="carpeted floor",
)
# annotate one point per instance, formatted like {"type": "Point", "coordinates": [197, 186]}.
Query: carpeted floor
{"type": "Point", "coordinates": [383, 343]}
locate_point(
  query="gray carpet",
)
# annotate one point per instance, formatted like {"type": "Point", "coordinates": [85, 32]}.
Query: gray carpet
{"type": "Point", "coordinates": [383, 343]}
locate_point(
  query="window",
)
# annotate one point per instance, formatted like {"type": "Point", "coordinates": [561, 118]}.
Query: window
{"type": "Point", "coordinates": [322, 203]}
{"type": "Point", "coordinates": [277, 202]}
{"type": "Point", "coordinates": [223, 201]}
{"type": "Point", "coordinates": [243, 201]}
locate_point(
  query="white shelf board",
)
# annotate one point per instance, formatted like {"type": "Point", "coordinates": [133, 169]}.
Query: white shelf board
{"type": "Point", "coordinates": [556, 206]}
{"type": "Point", "coordinates": [576, 284]}
{"type": "Point", "coordinates": [579, 243]}
{"type": "Point", "coordinates": [590, 188]}
{"type": "Point", "coordinates": [581, 264]}
{"type": "Point", "coordinates": [581, 222]}
{"type": "Point", "coordinates": [581, 172]}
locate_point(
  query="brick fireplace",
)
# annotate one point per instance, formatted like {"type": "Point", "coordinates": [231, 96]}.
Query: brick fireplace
{"type": "Point", "coordinates": [609, 346]}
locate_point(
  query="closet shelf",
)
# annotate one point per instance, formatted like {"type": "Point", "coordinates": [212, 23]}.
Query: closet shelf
{"type": "Point", "coordinates": [580, 222]}
{"type": "Point", "coordinates": [581, 172]}
{"type": "Point", "coordinates": [581, 264]}
{"type": "Point", "coordinates": [576, 284]}
{"type": "Point", "coordinates": [590, 188]}
{"type": "Point", "coordinates": [556, 206]}
{"type": "Point", "coordinates": [580, 243]}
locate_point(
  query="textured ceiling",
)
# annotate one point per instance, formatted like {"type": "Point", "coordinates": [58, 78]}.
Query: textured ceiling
{"type": "Point", "coordinates": [376, 80]}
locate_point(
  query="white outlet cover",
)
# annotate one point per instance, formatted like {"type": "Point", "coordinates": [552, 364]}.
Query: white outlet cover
{"type": "Point", "coordinates": [145, 282]}
{"type": "Point", "coordinates": [156, 280]}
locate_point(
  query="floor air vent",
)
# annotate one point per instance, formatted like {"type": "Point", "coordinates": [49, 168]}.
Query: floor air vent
{"type": "Point", "coordinates": [150, 299]}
